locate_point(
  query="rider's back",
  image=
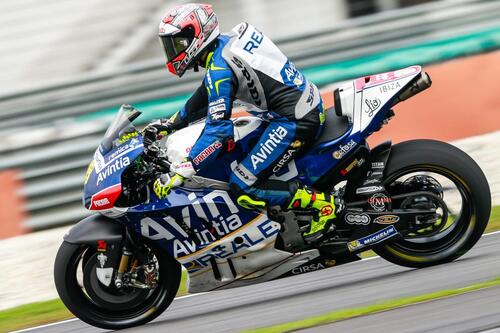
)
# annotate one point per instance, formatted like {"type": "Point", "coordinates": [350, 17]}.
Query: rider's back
{"type": "Point", "coordinates": [266, 78]}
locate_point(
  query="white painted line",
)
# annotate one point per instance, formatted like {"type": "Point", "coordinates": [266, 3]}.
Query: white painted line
{"type": "Point", "coordinates": [191, 295]}
{"type": "Point", "coordinates": [198, 294]}
{"type": "Point", "coordinates": [494, 330]}
{"type": "Point", "coordinates": [74, 319]}
{"type": "Point", "coordinates": [46, 325]}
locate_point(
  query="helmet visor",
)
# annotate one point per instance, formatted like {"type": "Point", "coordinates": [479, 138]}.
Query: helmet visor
{"type": "Point", "coordinates": [173, 45]}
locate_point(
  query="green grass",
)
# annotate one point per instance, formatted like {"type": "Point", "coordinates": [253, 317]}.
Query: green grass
{"type": "Point", "coordinates": [365, 310]}
{"type": "Point", "coordinates": [50, 311]}
{"type": "Point", "coordinates": [494, 224]}
{"type": "Point", "coordinates": [33, 314]}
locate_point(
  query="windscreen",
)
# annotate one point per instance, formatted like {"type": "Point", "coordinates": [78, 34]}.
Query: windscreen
{"type": "Point", "coordinates": [120, 129]}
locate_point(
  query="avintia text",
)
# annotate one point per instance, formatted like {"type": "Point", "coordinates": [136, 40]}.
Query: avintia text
{"type": "Point", "coordinates": [267, 148]}
{"type": "Point", "coordinates": [112, 168]}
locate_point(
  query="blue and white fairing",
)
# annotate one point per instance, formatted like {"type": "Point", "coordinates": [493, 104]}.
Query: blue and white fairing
{"type": "Point", "coordinates": [220, 244]}
{"type": "Point", "coordinates": [113, 156]}
{"type": "Point", "coordinates": [366, 102]}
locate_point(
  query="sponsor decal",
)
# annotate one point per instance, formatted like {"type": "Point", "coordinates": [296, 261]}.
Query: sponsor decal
{"type": "Point", "coordinates": [216, 102]}
{"type": "Point", "coordinates": [362, 219]}
{"type": "Point", "coordinates": [105, 198]}
{"type": "Point", "coordinates": [372, 239]}
{"type": "Point", "coordinates": [205, 153]}
{"type": "Point", "coordinates": [326, 211]}
{"type": "Point", "coordinates": [291, 76]}
{"type": "Point", "coordinates": [217, 116]}
{"type": "Point", "coordinates": [241, 172]}
{"type": "Point", "coordinates": [369, 189]}
{"type": "Point", "coordinates": [252, 87]}
{"type": "Point", "coordinates": [119, 164]}
{"type": "Point", "coordinates": [344, 149]}
{"type": "Point", "coordinates": [102, 246]}
{"type": "Point", "coordinates": [307, 268]}
{"type": "Point", "coordinates": [310, 98]}
{"type": "Point", "coordinates": [377, 165]}
{"type": "Point", "coordinates": [217, 108]}
{"type": "Point", "coordinates": [371, 181]}
{"type": "Point", "coordinates": [209, 80]}
{"type": "Point", "coordinates": [296, 144]}
{"type": "Point", "coordinates": [102, 258]}
{"type": "Point", "coordinates": [183, 247]}
{"type": "Point", "coordinates": [267, 148]}
{"type": "Point", "coordinates": [89, 172]}
{"type": "Point", "coordinates": [389, 87]}
{"type": "Point", "coordinates": [386, 219]}
{"type": "Point", "coordinates": [101, 202]}
{"type": "Point", "coordinates": [254, 42]}
{"type": "Point", "coordinates": [354, 163]}
{"type": "Point", "coordinates": [373, 105]}
{"type": "Point", "coordinates": [378, 201]}
{"type": "Point", "coordinates": [330, 262]}
{"type": "Point", "coordinates": [287, 156]}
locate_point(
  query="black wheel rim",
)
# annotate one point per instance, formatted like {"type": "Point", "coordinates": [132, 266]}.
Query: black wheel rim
{"type": "Point", "coordinates": [107, 314]}
{"type": "Point", "coordinates": [452, 238]}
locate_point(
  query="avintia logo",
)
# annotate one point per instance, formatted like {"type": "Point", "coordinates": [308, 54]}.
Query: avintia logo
{"type": "Point", "coordinates": [110, 169]}
{"type": "Point", "coordinates": [267, 148]}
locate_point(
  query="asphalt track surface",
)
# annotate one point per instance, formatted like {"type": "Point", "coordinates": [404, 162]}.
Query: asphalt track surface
{"type": "Point", "coordinates": [352, 285]}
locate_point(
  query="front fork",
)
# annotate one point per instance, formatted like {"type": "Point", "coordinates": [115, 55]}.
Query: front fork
{"type": "Point", "coordinates": [109, 255]}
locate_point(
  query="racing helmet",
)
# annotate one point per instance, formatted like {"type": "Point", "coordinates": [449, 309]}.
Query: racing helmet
{"type": "Point", "coordinates": [185, 31]}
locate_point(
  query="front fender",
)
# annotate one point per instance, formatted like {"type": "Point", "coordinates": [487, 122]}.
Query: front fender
{"type": "Point", "coordinates": [93, 228]}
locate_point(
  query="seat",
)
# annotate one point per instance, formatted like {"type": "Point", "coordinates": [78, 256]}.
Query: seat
{"type": "Point", "coordinates": [335, 126]}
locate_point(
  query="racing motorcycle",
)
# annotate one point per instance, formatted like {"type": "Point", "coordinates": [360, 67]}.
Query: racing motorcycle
{"type": "Point", "coordinates": [417, 203]}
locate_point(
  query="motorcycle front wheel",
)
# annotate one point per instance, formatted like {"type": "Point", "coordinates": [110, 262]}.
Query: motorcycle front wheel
{"type": "Point", "coordinates": [109, 307]}
{"type": "Point", "coordinates": [443, 169]}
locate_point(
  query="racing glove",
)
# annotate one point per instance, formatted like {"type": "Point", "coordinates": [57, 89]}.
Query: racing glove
{"type": "Point", "coordinates": [162, 126]}
{"type": "Point", "coordinates": [164, 184]}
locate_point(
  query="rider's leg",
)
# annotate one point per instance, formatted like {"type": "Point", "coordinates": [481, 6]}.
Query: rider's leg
{"type": "Point", "coordinates": [279, 144]}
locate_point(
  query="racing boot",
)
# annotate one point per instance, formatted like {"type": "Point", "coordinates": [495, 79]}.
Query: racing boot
{"type": "Point", "coordinates": [325, 205]}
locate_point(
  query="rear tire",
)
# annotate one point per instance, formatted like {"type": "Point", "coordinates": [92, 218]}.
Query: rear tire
{"type": "Point", "coordinates": [138, 312]}
{"type": "Point", "coordinates": [451, 162]}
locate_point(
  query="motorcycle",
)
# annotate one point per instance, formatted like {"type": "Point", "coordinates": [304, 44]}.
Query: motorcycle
{"type": "Point", "coordinates": [416, 203]}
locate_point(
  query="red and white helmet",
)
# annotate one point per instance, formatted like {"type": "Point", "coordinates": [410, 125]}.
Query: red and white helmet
{"type": "Point", "coordinates": [185, 31]}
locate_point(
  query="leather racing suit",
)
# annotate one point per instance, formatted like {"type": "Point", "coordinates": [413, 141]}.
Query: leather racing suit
{"type": "Point", "coordinates": [246, 65]}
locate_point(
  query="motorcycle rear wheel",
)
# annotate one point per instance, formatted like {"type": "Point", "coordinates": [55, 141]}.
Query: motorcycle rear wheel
{"type": "Point", "coordinates": [429, 156]}
{"type": "Point", "coordinates": [104, 307]}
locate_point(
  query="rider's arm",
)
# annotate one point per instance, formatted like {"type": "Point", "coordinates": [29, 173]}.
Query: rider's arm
{"type": "Point", "coordinates": [220, 85]}
{"type": "Point", "coordinates": [194, 109]}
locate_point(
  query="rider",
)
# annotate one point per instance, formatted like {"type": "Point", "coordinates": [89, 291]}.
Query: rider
{"type": "Point", "coordinates": [245, 65]}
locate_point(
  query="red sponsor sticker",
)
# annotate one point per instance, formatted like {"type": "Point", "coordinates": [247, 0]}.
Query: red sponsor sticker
{"type": "Point", "coordinates": [101, 245]}
{"type": "Point", "coordinates": [207, 152]}
{"type": "Point", "coordinates": [106, 198]}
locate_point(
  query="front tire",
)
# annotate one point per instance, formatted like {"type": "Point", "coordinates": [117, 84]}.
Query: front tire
{"type": "Point", "coordinates": [429, 156]}
{"type": "Point", "coordinates": [121, 311]}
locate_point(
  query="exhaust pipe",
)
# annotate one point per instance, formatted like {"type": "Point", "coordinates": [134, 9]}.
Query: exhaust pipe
{"type": "Point", "coordinates": [420, 84]}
